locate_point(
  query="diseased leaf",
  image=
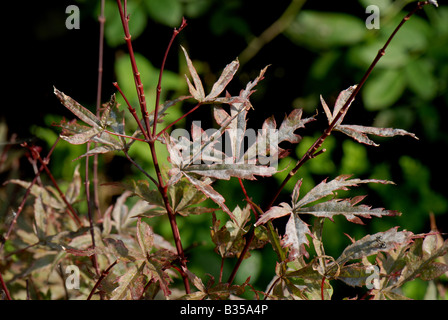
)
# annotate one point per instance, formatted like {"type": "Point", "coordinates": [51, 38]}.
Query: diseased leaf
{"type": "Point", "coordinates": [226, 171]}
{"type": "Point", "coordinates": [74, 188]}
{"type": "Point", "coordinates": [340, 101]}
{"type": "Point", "coordinates": [205, 187]}
{"type": "Point", "coordinates": [274, 213]}
{"type": "Point", "coordinates": [78, 110]}
{"type": "Point", "coordinates": [374, 243]}
{"type": "Point", "coordinates": [122, 292]}
{"type": "Point", "coordinates": [226, 76]}
{"type": "Point", "coordinates": [295, 236]}
{"type": "Point", "coordinates": [144, 236]}
{"type": "Point", "coordinates": [359, 133]}
{"type": "Point", "coordinates": [197, 91]}
{"type": "Point", "coordinates": [40, 218]}
{"type": "Point", "coordinates": [355, 275]}
{"type": "Point", "coordinates": [347, 208]}
{"type": "Point", "coordinates": [75, 133]}
{"type": "Point", "coordinates": [433, 270]}
{"type": "Point", "coordinates": [325, 188]}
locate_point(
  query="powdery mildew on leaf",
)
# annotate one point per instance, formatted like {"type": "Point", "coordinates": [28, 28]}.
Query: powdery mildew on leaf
{"type": "Point", "coordinates": [296, 230]}
{"type": "Point", "coordinates": [357, 132]}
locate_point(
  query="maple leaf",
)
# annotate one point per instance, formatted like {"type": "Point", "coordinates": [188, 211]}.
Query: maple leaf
{"type": "Point", "coordinates": [358, 133]}
{"type": "Point", "coordinates": [111, 118]}
{"type": "Point", "coordinates": [197, 90]}
{"type": "Point", "coordinates": [296, 229]}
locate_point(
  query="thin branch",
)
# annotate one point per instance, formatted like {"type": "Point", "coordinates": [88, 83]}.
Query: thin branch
{"type": "Point", "coordinates": [101, 278]}
{"type": "Point", "coordinates": [132, 110]}
{"type": "Point", "coordinates": [89, 212]}
{"type": "Point", "coordinates": [273, 31]}
{"type": "Point", "coordinates": [159, 84]}
{"type": "Point", "coordinates": [178, 119]}
{"type": "Point", "coordinates": [137, 79]}
{"type": "Point", "coordinates": [101, 20]}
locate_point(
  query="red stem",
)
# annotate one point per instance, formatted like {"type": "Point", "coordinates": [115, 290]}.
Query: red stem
{"type": "Point", "coordinates": [159, 84]}
{"type": "Point", "coordinates": [137, 79]}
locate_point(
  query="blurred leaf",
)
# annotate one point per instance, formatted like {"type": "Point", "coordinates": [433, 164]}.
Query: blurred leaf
{"type": "Point", "coordinates": [383, 89]}
{"type": "Point", "coordinates": [421, 79]}
{"type": "Point", "coordinates": [323, 30]}
{"type": "Point", "coordinates": [168, 12]}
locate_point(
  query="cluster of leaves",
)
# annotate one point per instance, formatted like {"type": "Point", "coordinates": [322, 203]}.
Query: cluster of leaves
{"type": "Point", "coordinates": [131, 261]}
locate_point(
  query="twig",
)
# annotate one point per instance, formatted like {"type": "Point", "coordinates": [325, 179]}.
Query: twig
{"type": "Point", "coordinates": [101, 278]}
{"type": "Point", "coordinates": [159, 84]}
{"type": "Point", "coordinates": [273, 31]}
{"type": "Point", "coordinates": [138, 81]}
{"type": "Point", "coordinates": [89, 211]}
{"type": "Point", "coordinates": [101, 20]}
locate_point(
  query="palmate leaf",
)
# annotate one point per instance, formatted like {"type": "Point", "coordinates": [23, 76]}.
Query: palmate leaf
{"type": "Point", "coordinates": [197, 90]}
{"type": "Point", "coordinates": [297, 230]}
{"type": "Point", "coordinates": [374, 243]}
{"type": "Point", "coordinates": [347, 208]}
{"type": "Point", "coordinates": [358, 133]}
{"type": "Point", "coordinates": [75, 133]}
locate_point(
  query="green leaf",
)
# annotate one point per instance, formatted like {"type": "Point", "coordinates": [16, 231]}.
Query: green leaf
{"type": "Point", "coordinates": [421, 79]}
{"type": "Point", "coordinates": [383, 89]}
{"type": "Point", "coordinates": [322, 30]}
{"type": "Point", "coordinates": [168, 12]}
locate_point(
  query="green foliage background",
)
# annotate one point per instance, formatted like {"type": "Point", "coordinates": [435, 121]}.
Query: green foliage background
{"type": "Point", "coordinates": [324, 50]}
